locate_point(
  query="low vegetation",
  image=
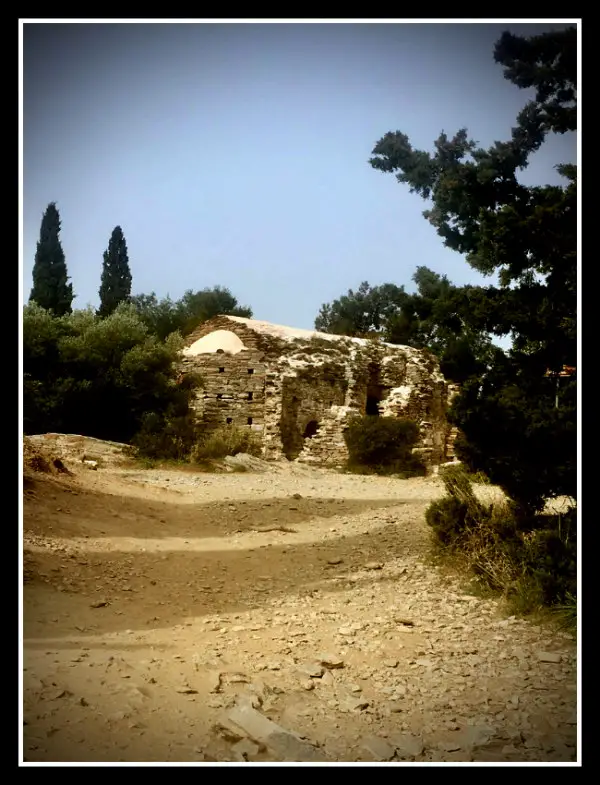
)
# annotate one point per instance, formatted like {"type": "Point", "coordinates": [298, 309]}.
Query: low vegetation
{"type": "Point", "coordinates": [528, 559]}
{"type": "Point", "coordinates": [224, 441]}
{"type": "Point", "coordinates": [382, 445]}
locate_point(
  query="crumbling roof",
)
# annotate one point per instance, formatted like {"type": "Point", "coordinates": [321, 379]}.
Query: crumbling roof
{"type": "Point", "coordinates": [295, 333]}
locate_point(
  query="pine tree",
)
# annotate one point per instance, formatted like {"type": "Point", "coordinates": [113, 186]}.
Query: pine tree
{"type": "Point", "coordinates": [115, 286]}
{"type": "Point", "coordinates": [517, 424]}
{"type": "Point", "coordinates": [51, 289]}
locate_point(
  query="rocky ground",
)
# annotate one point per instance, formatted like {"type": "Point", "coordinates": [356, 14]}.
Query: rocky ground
{"type": "Point", "coordinates": [280, 615]}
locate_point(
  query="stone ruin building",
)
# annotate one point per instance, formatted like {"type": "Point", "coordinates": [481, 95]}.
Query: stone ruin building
{"type": "Point", "coordinates": [297, 389]}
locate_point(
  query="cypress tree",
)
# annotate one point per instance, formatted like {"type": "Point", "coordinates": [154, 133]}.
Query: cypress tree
{"type": "Point", "coordinates": [115, 286]}
{"type": "Point", "coordinates": [51, 289]}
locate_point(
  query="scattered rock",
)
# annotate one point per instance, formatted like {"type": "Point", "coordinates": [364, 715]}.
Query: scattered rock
{"type": "Point", "coordinates": [549, 656]}
{"type": "Point", "coordinates": [328, 679]}
{"type": "Point", "coordinates": [374, 565]}
{"type": "Point", "coordinates": [391, 663]}
{"type": "Point", "coordinates": [448, 746]}
{"type": "Point", "coordinates": [99, 604]}
{"type": "Point", "coordinates": [236, 678]}
{"type": "Point", "coordinates": [423, 662]}
{"type": "Point", "coordinates": [331, 662]}
{"type": "Point", "coordinates": [475, 736]}
{"type": "Point", "coordinates": [407, 745]}
{"type": "Point", "coordinates": [250, 462]}
{"type": "Point", "coordinates": [353, 703]}
{"type": "Point", "coordinates": [404, 622]}
{"type": "Point", "coordinates": [335, 561]}
{"type": "Point", "coordinates": [312, 670]}
{"type": "Point", "coordinates": [228, 730]}
{"type": "Point", "coordinates": [245, 749]}
{"type": "Point", "coordinates": [59, 694]}
{"type": "Point", "coordinates": [287, 746]}
{"type": "Point", "coordinates": [379, 748]}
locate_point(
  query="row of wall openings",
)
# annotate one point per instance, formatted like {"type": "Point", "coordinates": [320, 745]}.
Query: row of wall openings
{"type": "Point", "coordinates": [230, 420]}
{"type": "Point", "coordinates": [220, 396]}
{"type": "Point", "coordinates": [250, 370]}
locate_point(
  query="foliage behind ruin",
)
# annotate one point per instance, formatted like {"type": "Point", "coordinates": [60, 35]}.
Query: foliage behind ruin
{"type": "Point", "coordinates": [383, 445]}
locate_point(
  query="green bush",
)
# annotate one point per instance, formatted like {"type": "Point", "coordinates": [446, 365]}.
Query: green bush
{"type": "Point", "coordinates": [448, 517]}
{"type": "Point", "coordinates": [382, 445]}
{"type": "Point", "coordinates": [224, 441]}
{"type": "Point", "coordinates": [99, 377]}
{"type": "Point", "coordinates": [164, 438]}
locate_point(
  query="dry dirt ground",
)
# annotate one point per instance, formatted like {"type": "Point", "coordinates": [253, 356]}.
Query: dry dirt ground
{"type": "Point", "coordinates": [166, 618]}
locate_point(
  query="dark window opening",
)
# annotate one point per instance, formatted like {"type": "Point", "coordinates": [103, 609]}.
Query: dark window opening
{"type": "Point", "coordinates": [249, 420]}
{"type": "Point", "coordinates": [220, 351]}
{"type": "Point", "coordinates": [311, 429]}
{"type": "Point", "coordinates": [219, 396]}
{"type": "Point", "coordinates": [221, 370]}
{"type": "Point", "coordinates": [229, 420]}
{"type": "Point", "coordinates": [250, 395]}
{"type": "Point", "coordinates": [250, 370]}
{"type": "Point", "coordinates": [376, 391]}
{"type": "Point", "coordinates": [372, 406]}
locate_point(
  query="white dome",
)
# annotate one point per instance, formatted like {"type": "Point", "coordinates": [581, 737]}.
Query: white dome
{"type": "Point", "coordinates": [219, 339]}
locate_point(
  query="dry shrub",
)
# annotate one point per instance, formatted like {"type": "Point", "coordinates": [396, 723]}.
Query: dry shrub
{"type": "Point", "coordinates": [224, 441]}
{"type": "Point", "coordinates": [529, 560]}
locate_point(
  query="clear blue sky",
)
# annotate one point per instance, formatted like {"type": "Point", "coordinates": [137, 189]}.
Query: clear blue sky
{"type": "Point", "coordinates": [236, 154]}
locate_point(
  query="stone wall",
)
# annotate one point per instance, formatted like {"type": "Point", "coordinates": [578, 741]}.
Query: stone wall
{"type": "Point", "coordinates": [304, 387]}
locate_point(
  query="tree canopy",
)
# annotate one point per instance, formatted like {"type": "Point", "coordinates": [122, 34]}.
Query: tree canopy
{"type": "Point", "coordinates": [165, 316]}
{"type": "Point", "coordinates": [96, 376]}
{"type": "Point", "coordinates": [512, 427]}
{"type": "Point", "coordinates": [430, 318]}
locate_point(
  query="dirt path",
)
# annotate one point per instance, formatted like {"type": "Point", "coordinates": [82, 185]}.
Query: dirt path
{"type": "Point", "coordinates": [159, 604]}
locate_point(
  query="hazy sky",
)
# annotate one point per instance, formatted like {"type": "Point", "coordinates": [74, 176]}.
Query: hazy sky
{"type": "Point", "coordinates": [236, 154]}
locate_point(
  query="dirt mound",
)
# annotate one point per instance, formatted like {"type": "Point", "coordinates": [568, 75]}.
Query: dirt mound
{"type": "Point", "coordinates": [37, 459]}
{"type": "Point", "coordinates": [75, 449]}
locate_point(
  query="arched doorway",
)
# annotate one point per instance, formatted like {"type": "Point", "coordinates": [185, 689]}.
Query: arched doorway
{"type": "Point", "coordinates": [311, 428]}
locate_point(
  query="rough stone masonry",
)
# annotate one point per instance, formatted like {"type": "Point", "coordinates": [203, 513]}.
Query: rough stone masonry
{"type": "Point", "coordinates": [297, 389]}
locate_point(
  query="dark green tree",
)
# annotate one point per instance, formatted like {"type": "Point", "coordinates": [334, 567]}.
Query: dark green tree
{"type": "Point", "coordinates": [363, 312]}
{"type": "Point", "coordinates": [51, 289]}
{"type": "Point", "coordinates": [101, 377]}
{"type": "Point", "coordinates": [165, 316]}
{"type": "Point", "coordinates": [428, 319]}
{"type": "Point", "coordinates": [518, 423]}
{"type": "Point", "coordinates": [115, 284]}
{"type": "Point", "coordinates": [196, 307]}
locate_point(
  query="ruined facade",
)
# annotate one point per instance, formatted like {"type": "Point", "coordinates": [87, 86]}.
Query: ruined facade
{"type": "Point", "coordinates": [297, 389]}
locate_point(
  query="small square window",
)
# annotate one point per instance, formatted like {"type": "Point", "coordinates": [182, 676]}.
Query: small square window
{"type": "Point", "coordinates": [250, 396]}
{"type": "Point", "coordinates": [229, 420]}
{"type": "Point", "coordinates": [249, 420]}
{"type": "Point", "coordinates": [221, 370]}
{"type": "Point", "coordinates": [250, 370]}
{"type": "Point", "coordinates": [219, 396]}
